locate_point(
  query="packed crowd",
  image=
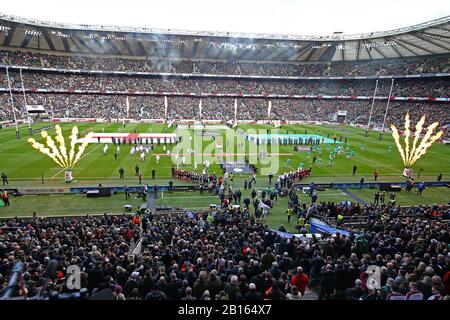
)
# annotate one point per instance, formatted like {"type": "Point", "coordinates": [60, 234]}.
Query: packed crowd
{"type": "Point", "coordinates": [69, 82]}
{"type": "Point", "coordinates": [61, 101]}
{"type": "Point", "coordinates": [153, 107]}
{"type": "Point", "coordinates": [228, 254]}
{"type": "Point", "coordinates": [431, 64]}
{"type": "Point", "coordinates": [86, 106]}
{"type": "Point", "coordinates": [70, 241]}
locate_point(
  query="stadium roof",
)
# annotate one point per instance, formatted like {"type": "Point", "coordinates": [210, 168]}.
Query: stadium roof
{"type": "Point", "coordinates": [428, 38]}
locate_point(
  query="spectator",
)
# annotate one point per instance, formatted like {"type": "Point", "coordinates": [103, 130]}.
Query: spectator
{"type": "Point", "coordinates": [252, 294]}
{"type": "Point", "coordinates": [300, 281]}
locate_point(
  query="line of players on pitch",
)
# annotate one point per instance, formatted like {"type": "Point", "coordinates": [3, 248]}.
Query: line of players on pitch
{"type": "Point", "coordinates": [334, 151]}
{"type": "Point", "coordinates": [143, 151]}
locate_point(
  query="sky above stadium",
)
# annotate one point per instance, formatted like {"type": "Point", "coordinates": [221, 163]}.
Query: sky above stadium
{"type": "Point", "coordinates": [306, 17]}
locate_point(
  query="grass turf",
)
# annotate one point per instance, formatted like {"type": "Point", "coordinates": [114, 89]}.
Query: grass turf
{"type": "Point", "coordinates": [25, 166]}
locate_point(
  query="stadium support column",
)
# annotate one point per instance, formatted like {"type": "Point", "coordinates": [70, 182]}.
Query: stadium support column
{"type": "Point", "coordinates": [371, 108]}
{"type": "Point", "coordinates": [12, 104]}
{"type": "Point", "coordinates": [30, 131]}
{"type": "Point", "coordinates": [385, 113]}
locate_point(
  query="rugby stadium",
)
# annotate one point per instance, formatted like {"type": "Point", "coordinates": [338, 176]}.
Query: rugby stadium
{"type": "Point", "coordinates": [159, 164]}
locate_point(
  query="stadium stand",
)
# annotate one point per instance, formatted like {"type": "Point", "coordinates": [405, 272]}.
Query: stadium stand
{"type": "Point", "coordinates": [367, 68]}
{"type": "Point", "coordinates": [226, 254]}
{"type": "Point", "coordinates": [229, 253]}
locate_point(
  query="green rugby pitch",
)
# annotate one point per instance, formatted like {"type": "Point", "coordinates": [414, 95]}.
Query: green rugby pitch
{"type": "Point", "coordinates": [26, 167]}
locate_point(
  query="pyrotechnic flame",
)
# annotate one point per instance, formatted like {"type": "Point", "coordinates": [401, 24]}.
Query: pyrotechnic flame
{"type": "Point", "coordinates": [44, 150]}
{"type": "Point", "coordinates": [396, 136]}
{"type": "Point", "coordinates": [416, 151]}
{"type": "Point", "coordinates": [407, 135]}
{"type": "Point", "coordinates": [62, 144]}
{"type": "Point", "coordinates": [426, 143]}
{"type": "Point", "coordinates": [82, 148]}
{"type": "Point", "coordinates": [419, 127]}
{"type": "Point", "coordinates": [73, 141]}
{"type": "Point", "coordinates": [54, 149]}
{"type": "Point", "coordinates": [59, 155]}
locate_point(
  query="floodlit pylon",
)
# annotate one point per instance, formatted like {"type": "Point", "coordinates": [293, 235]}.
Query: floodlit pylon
{"type": "Point", "coordinates": [59, 153]}
{"type": "Point", "coordinates": [411, 154]}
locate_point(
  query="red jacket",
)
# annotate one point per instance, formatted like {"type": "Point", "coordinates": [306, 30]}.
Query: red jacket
{"type": "Point", "coordinates": [300, 281]}
{"type": "Point", "coordinates": [136, 219]}
{"type": "Point", "coordinates": [446, 283]}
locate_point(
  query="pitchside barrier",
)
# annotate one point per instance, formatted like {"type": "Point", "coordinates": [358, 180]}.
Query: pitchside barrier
{"type": "Point", "coordinates": [105, 191]}
{"type": "Point", "coordinates": [115, 189]}
{"type": "Point", "coordinates": [11, 191]}
{"type": "Point", "coordinates": [386, 186]}
{"type": "Point", "coordinates": [35, 191]}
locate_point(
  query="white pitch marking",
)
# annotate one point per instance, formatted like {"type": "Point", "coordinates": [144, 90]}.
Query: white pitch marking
{"type": "Point", "coordinates": [380, 164]}
{"type": "Point", "coordinates": [80, 159]}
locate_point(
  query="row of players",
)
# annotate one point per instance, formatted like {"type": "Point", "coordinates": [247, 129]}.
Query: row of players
{"type": "Point", "coordinates": [143, 151]}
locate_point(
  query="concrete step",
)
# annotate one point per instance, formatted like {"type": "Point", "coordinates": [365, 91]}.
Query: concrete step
{"type": "Point", "coordinates": [310, 295]}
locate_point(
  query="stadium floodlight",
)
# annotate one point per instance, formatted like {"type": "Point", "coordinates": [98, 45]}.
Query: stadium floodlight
{"type": "Point", "coordinates": [33, 32]}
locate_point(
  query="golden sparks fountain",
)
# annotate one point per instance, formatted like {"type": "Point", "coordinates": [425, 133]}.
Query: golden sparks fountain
{"type": "Point", "coordinates": [412, 153]}
{"type": "Point", "coordinates": [58, 151]}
